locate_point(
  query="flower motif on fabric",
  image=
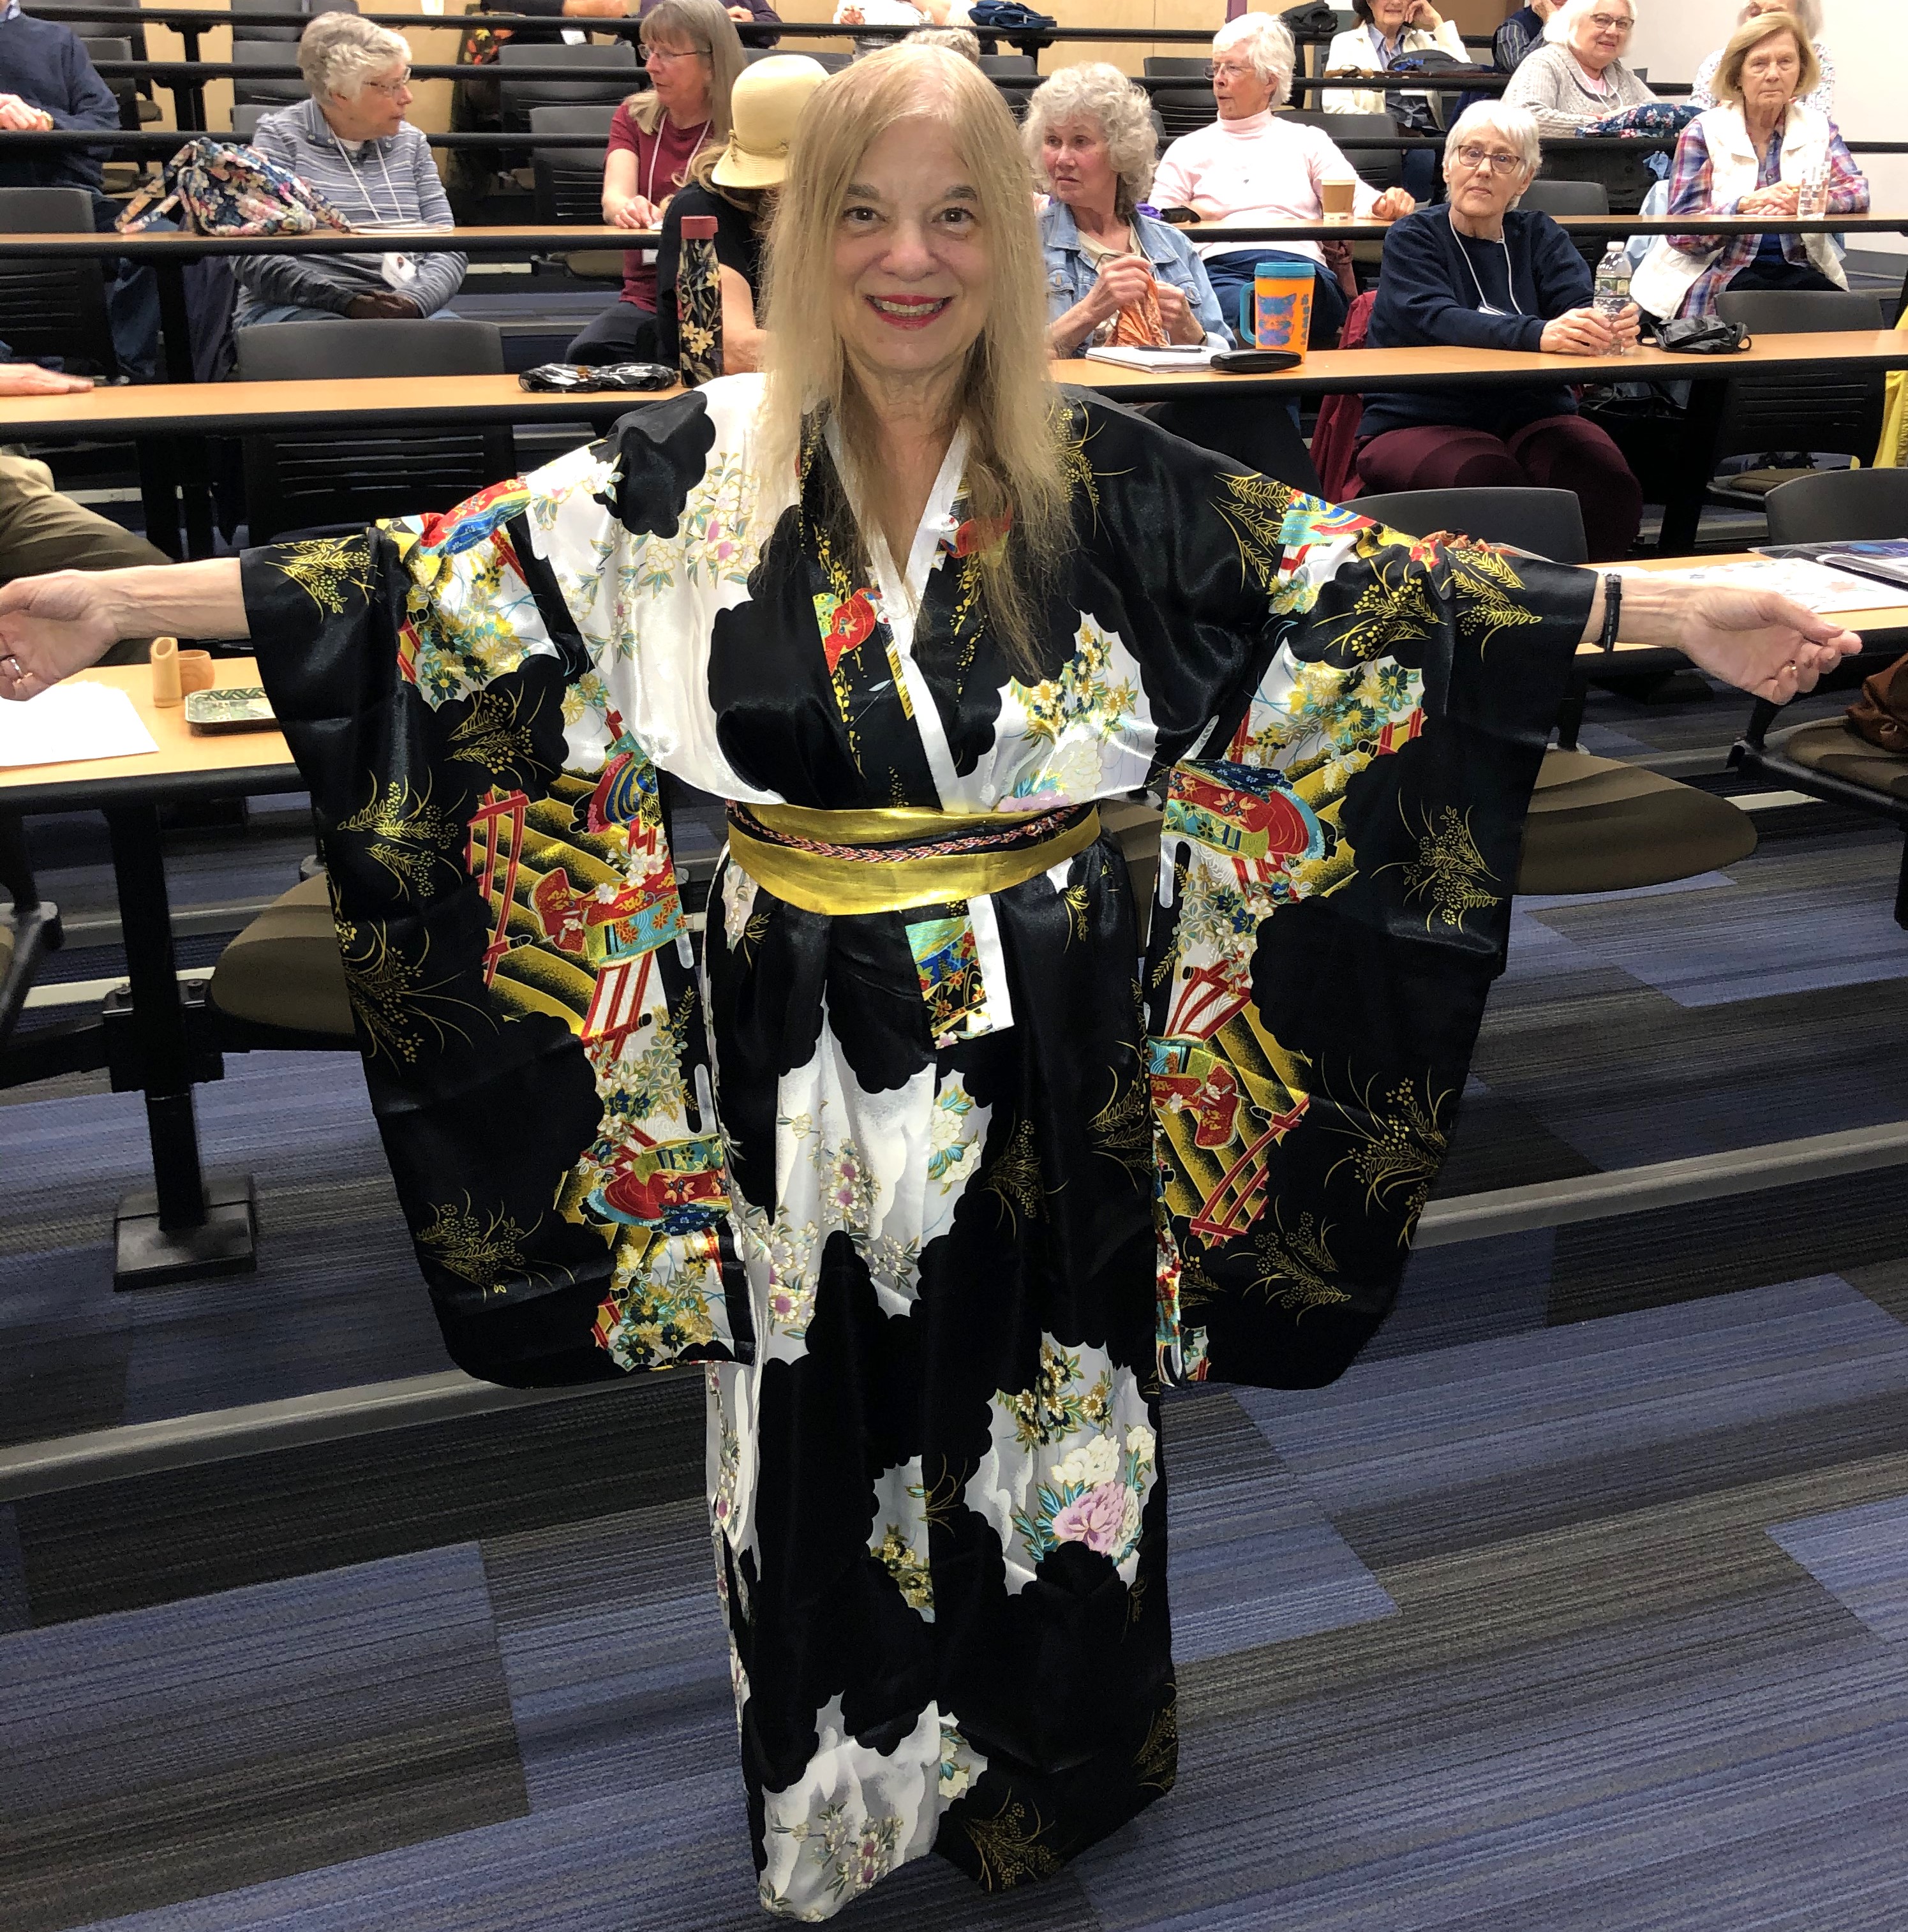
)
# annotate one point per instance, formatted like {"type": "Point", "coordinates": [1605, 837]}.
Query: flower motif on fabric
{"type": "Point", "coordinates": [953, 1136]}
{"type": "Point", "coordinates": [1073, 1460]}
{"type": "Point", "coordinates": [847, 623]}
{"type": "Point", "coordinates": [855, 1853]}
{"type": "Point", "coordinates": [1402, 1143]}
{"type": "Point", "coordinates": [1009, 1846]}
{"type": "Point", "coordinates": [961, 1764]}
{"type": "Point", "coordinates": [410, 837]}
{"type": "Point", "coordinates": [1449, 874]}
{"type": "Point", "coordinates": [327, 569]}
{"type": "Point", "coordinates": [1296, 1266]}
{"type": "Point", "coordinates": [483, 1252]}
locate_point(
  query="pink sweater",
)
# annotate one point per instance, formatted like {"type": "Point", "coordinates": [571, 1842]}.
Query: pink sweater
{"type": "Point", "coordinates": [1264, 168]}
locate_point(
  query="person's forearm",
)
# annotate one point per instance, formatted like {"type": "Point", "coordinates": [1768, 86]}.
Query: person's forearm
{"type": "Point", "coordinates": [1067, 333]}
{"type": "Point", "coordinates": [192, 600]}
{"type": "Point", "coordinates": [1649, 614]}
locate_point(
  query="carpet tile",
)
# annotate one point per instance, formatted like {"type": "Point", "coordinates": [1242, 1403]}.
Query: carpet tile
{"type": "Point", "coordinates": [1862, 1555]}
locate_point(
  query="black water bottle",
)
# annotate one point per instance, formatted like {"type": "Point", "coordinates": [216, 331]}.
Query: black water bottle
{"type": "Point", "coordinates": [698, 303]}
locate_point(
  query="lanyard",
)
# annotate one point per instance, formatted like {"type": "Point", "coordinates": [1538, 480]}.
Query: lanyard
{"type": "Point", "coordinates": [397, 203]}
{"type": "Point", "coordinates": [1485, 305]}
{"type": "Point", "coordinates": [656, 155]}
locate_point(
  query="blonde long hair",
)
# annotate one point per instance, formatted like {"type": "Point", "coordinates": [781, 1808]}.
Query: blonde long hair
{"type": "Point", "coordinates": [707, 27]}
{"type": "Point", "coordinates": [1007, 402]}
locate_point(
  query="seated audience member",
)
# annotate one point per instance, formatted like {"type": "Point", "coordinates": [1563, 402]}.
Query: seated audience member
{"type": "Point", "coordinates": [1478, 273]}
{"type": "Point", "coordinates": [692, 54]}
{"type": "Point", "coordinates": [1751, 155]}
{"type": "Point", "coordinates": [758, 11]}
{"type": "Point", "coordinates": [1521, 35]}
{"type": "Point", "coordinates": [737, 184]}
{"type": "Point", "coordinates": [40, 530]}
{"type": "Point", "coordinates": [1113, 274]}
{"type": "Point", "coordinates": [961, 40]}
{"type": "Point", "coordinates": [1387, 29]}
{"type": "Point", "coordinates": [1253, 165]}
{"type": "Point", "coordinates": [896, 13]}
{"type": "Point", "coordinates": [1808, 17]}
{"type": "Point", "coordinates": [1579, 76]}
{"type": "Point", "coordinates": [48, 81]}
{"type": "Point", "coordinates": [351, 143]}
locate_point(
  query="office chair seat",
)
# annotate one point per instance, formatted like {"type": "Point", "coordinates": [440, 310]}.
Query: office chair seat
{"type": "Point", "coordinates": [1829, 745]}
{"type": "Point", "coordinates": [1598, 826]}
{"type": "Point", "coordinates": [284, 969]}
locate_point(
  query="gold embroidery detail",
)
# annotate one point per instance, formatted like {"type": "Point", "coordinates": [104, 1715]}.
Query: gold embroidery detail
{"type": "Point", "coordinates": [910, 1571]}
{"type": "Point", "coordinates": [389, 994]}
{"type": "Point", "coordinates": [494, 735]}
{"type": "Point", "coordinates": [481, 1255]}
{"type": "Point", "coordinates": [1300, 1259]}
{"type": "Point", "coordinates": [1257, 516]}
{"type": "Point", "coordinates": [1404, 1152]}
{"type": "Point", "coordinates": [396, 824]}
{"type": "Point", "coordinates": [1123, 1129]}
{"type": "Point", "coordinates": [326, 568]}
{"type": "Point", "coordinates": [1015, 1175]}
{"type": "Point", "coordinates": [1449, 870]}
{"type": "Point", "coordinates": [1076, 897]}
{"type": "Point", "coordinates": [1390, 611]}
{"type": "Point", "coordinates": [1009, 1850]}
{"type": "Point", "coordinates": [1156, 1767]}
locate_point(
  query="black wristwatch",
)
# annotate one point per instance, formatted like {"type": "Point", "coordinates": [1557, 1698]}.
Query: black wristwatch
{"type": "Point", "coordinates": [1612, 610]}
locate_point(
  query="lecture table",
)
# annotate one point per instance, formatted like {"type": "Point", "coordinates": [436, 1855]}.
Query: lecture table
{"type": "Point", "coordinates": [158, 415]}
{"type": "Point", "coordinates": [187, 1226]}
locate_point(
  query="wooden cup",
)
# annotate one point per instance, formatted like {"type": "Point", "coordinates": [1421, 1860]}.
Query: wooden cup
{"type": "Point", "coordinates": [165, 688]}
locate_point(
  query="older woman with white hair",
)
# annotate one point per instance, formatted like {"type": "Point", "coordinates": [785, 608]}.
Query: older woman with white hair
{"type": "Point", "coordinates": [1478, 272]}
{"type": "Point", "coordinates": [903, 1150]}
{"type": "Point", "coordinates": [1384, 30]}
{"type": "Point", "coordinates": [351, 143]}
{"type": "Point", "coordinates": [1580, 75]}
{"type": "Point", "coordinates": [1252, 165]}
{"type": "Point", "coordinates": [1112, 273]}
{"type": "Point", "coordinates": [1808, 17]}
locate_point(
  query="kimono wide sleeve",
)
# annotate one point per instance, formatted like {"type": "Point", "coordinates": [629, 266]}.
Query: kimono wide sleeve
{"type": "Point", "coordinates": [520, 972]}
{"type": "Point", "coordinates": [1337, 862]}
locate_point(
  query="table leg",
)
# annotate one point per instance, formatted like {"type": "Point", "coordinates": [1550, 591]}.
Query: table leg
{"type": "Point", "coordinates": [159, 494]}
{"type": "Point", "coordinates": [180, 1229]}
{"type": "Point", "coordinates": [1684, 512]}
{"type": "Point", "coordinates": [175, 324]}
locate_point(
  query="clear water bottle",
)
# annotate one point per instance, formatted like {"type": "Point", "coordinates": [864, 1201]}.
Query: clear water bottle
{"type": "Point", "coordinates": [1812, 198]}
{"type": "Point", "coordinates": [1613, 295]}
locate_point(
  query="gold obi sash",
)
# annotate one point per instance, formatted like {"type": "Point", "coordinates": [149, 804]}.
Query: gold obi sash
{"type": "Point", "coordinates": [888, 860]}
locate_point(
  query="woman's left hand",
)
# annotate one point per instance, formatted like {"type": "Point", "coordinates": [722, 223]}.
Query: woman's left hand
{"type": "Point", "coordinates": [1780, 198]}
{"type": "Point", "coordinates": [1393, 204]}
{"type": "Point", "coordinates": [1757, 641]}
{"type": "Point", "coordinates": [1176, 312]}
{"type": "Point", "coordinates": [1425, 16]}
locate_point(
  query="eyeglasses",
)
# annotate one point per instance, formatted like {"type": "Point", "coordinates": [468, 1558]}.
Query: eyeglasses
{"type": "Point", "coordinates": [391, 89]}
{"type": "Point", "coordinates": [1613, 23]}
{"type": "Point", "coordinates": [1487, 157]}
{"type": "Point", "coordinates": [652, 56]}
{"type": "Point", "coordinates": [1226, 70]}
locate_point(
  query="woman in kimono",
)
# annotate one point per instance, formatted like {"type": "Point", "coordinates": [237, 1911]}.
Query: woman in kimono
{"type": "Point", "coordinates": [941, 1191]}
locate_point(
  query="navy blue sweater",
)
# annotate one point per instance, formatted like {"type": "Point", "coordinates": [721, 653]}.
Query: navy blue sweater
{"type": "Point", "coordinates": [1431, 289]}
{"type": "Point", "coordinates": [44, 64]}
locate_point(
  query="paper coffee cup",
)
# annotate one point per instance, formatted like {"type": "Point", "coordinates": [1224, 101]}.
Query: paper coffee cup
{"type": "Point", "coordinates": [1340, 198]}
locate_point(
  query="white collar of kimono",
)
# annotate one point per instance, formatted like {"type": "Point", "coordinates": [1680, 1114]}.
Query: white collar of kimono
{"type": "Point", "coordinates": [901, 594]}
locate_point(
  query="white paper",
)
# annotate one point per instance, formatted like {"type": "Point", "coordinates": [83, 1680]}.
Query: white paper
{"type": "Point", "coordinates": [72, 721]}
{"type": "Point", "coordinates": [1813, 586]}
{"type": "Point", "coordinates": [1178, 355]}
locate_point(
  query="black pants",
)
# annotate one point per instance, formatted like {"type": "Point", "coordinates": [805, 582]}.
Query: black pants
{"type": "Point", "coordinates": [1784, 274]}
{"type": "Point", "coordinates": [622, 333]}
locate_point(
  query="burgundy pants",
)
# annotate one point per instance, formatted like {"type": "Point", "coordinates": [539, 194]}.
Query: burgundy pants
{"type": "Point", "coordinates": [1554, 453]}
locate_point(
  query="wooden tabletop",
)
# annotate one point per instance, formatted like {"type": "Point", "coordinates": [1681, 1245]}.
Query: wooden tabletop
{"type": "Point", "coordinates": [188, 764]}
{"type": "Point", "coordinates": [539, 238]}
{"type": "Point", "coordinates": [233, 408]}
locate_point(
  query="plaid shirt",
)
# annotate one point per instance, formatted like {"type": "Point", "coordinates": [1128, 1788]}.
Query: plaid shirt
{"type": "Point", "coordinates": [1689, 194]}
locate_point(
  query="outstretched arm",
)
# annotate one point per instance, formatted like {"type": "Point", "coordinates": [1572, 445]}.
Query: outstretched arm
{"type": "Point", "coordinates": [51, 626]}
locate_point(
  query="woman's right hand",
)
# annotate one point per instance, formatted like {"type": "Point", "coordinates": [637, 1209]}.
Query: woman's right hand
{"type": "Point", "coordinates": [1780, 198]}
{"type": "Point", "coordinates": [1578, 331]}
{"type": "Point", "coordinates": [51, 626]}
{"type": "Point", "coordinates": [1121, 284]}
{"type": "Point", "coordinates": [635, 213]}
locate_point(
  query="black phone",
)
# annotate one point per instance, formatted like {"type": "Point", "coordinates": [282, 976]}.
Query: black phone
{"type": "Point", "coordinates": [1256, 361]}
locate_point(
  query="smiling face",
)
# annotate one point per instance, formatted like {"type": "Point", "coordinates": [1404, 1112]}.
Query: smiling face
{"type": "Point", "coordinates": [1388, 16]}
{"type": "Point", "coordinates": [912, 270]}
{"type": "Point", "coordinates": [1771, 75]}
{"type": "Point", "coordinates": [1601, 35]}
{"type": "Point", "coordinates": [1078, 165]}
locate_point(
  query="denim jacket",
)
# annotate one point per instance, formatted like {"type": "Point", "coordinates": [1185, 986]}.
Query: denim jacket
{"type": "Point", "coordinates": [1069, 274]}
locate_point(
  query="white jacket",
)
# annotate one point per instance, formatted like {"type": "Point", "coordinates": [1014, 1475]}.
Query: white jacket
{"type": "Point", "coordinates": [1663, 282]}
{"type": "Point", "coordinates": [1353, 49]}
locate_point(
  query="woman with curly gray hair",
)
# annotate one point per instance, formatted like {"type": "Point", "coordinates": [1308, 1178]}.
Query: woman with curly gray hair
{"type": "Point", "coordinates": [1111, 271]}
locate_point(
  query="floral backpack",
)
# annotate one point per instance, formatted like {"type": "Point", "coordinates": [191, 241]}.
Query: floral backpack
{"type": "Point", "coordinates": [214, 187]}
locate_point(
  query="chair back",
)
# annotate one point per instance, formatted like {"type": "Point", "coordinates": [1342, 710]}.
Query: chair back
{"type": "Point", "coordinates": [1566, 197]}
{"type": "Point", "coordinates": [998, 67]}
{"type": "Point", "coordinates": [1173, 67]}
{"type": "Point", "coordinates": [1185, 110]}
{"type": "Point", "coordinates": [1546, 523]}
{"type": "Point", "coordinates": [1261, 435]}
{"type": "Point", "coordinates": [54, 308]}
{"type": "Point", "coordinates": [1839, 506]}
{"type": "Point", "coordinates": [301, 480]}
{"type": "Point", "coordinates": [1826, 408]}
{"type": "Point", "coordinates": [115, 47]}
{"type": "Point", "coordinates": [1625, 177]}
{"type": "Point", "coordinates": [263, 31]}
{"type": "Point", "coordinates": [1382, 167]}
{"type": "Point", "coordinates": [245, 118]}
{"type": "Point", "coordinates": [605, 76]}
{"type": "Point", "coordinates": [268, 90]}
{"type": "Point", "coordinates": [568, 181]}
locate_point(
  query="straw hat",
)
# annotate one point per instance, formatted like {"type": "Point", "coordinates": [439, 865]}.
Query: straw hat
{"type": "Point", "coordinates": [768, 99]}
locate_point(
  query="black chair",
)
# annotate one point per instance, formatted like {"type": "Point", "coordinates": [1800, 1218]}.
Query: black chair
{"type": "Point", "coordinates": [567, 183]}
{"type": "Point", "coordinates": [1596, 825]}
{"type": "Point", "coordinates": [1381, 167]}
{"type": "Point", "coordinates": [1839, 506]}
{"type": "Point", "coordinates": [605, 76]}
{"type": "Point", "coordinates": [33, 931]}
{"type": "Point", "coordinates": [267, 90]}
{"type": "Point", "coordinates": [243, 30]}
{"type": "Point", "coordinates": [245, 119]}
{"type": "Point", "coordinates": [1016, 75]}
{"type": "Point", "coordinates": [1824, 409]}
{"type": "Point", "coordinates": [1625, 177]}
{"type": "Point", "coordinates": [1572, 197]}
{"type": "Point", "coordinates": [54, 308]}
{"type": "Point", "coordinates": [308, 480]}
{"type": "Point", "coordinates": [1182, 110]}
{"type": "Point", "coordinates": [1256, 431]}
{"type": "Point", "coordinates": [134, 106]}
